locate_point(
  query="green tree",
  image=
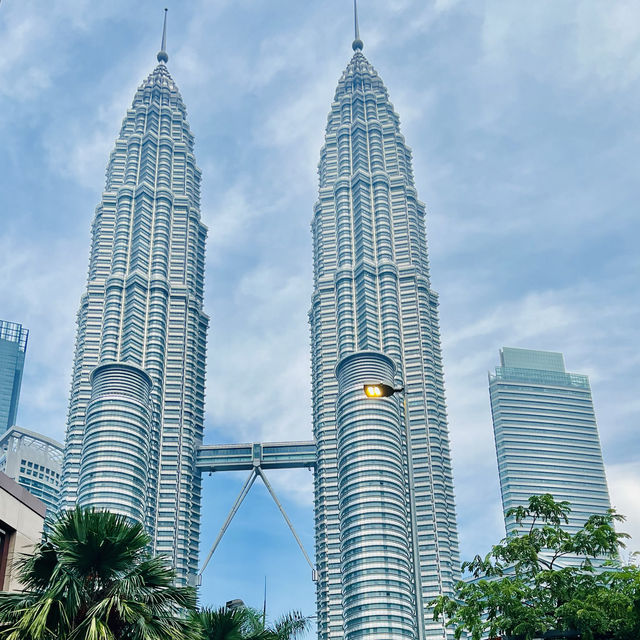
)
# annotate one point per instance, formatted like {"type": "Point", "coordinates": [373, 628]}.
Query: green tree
{"type": "Point", "coordinates": [221, 624]}
{"type": "Point", "coordinates": [245, 623]}
{"type": "Point", "coordinates": [289, 626]}
{"type": "Point", "coordinates": [93, 578]}
{"type": "Point", "coordinates": [520, 588]}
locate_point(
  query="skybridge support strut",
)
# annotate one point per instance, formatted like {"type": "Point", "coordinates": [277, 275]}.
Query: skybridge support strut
{"type": "Point", "coordinates": [286, 518]}
{"type": "Point", "coordinates": [254, 473]}
{"type": "Point", "coordinates": [236, 505]}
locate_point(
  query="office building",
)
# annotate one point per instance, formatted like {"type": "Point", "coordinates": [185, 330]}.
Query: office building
{"type": "Point", "coordinates": [136, 410]}
{"type": "Point", "coordinates": [13, 347]}
{"type": "Point", "coordinates": [34, 461]}
{"type": "Point", "coordinates": [386, 534]}
{"type": "Point", "coordinates": [546, 435]}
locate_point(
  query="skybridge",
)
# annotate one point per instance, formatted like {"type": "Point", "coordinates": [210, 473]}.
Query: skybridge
{"type": "Point", "coordinates": [256, 457]}
{"type": "Point", "coordinates": [267, 455]}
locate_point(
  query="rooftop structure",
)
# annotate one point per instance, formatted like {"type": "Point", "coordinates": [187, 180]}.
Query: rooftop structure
{"type": "Point", "coordinates": [13, 347]}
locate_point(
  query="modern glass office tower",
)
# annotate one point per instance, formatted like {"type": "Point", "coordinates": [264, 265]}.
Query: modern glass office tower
{"type": "Point", "coordinates": [13, 347]}
{"type": "Point", "coordinates": [386, 535]}
{"type": "Point", "coordinates": [34, 461]}
{"type": "Point", "coordinates": [546, 434]}
{"type": "Point", "coordinates": [137, 395]}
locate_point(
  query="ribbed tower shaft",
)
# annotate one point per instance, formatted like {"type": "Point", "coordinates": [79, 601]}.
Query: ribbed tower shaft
{"type": "Point", "coordinates": [378, 599]}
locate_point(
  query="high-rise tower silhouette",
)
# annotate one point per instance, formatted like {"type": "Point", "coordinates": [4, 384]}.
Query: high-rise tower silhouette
{"type": "Point", "coordinates": [137, 397]}
{"type": "Point", "coordinates": [13, 347]}
{"type": "Point", "coordinates": [546, 437]}
{"type": "Point", "coordinates": [386, 535]}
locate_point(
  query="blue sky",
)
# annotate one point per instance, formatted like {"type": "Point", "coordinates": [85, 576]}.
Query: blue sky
{"type": "Point", "coordinates": [523, 119]}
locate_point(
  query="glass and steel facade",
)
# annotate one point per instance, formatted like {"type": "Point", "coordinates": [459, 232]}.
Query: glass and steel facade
{"type": "Point", "coordinates": [13, 347]}
{"type": "Point", "coordinates": [546, 435]}
{"type": "Point", "coordinates": [34, 461]}
{"type": "Point", "coordinates": [137, 396]}
{"type": "Point", "coordinates": [386, 535]}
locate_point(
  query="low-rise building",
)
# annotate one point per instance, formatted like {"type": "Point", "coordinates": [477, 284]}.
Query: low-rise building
{"type": "Point", "coordinates": [21, 523]}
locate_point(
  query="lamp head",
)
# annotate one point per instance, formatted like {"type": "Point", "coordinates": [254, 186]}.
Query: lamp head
{"type": "Point", "coordinates": [378, 390]}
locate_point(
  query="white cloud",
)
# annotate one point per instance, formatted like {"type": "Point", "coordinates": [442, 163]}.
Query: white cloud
{"type": "Point", "coordinates": [624, 488]}
{"type": "Point", "coordinates": [228, 217]}
{"type": "Point", "coordinates": [45, 302]}
{"type": "Point", "coordinates": [258, 385]}
{"type": "Point", "coordinates": [22, 73]}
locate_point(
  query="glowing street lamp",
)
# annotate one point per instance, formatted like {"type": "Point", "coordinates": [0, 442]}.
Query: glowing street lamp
{"type": "Point", "coordinates": [380, 390]}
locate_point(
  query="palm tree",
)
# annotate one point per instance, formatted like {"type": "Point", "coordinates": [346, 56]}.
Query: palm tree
{"type": "Point", "coordinates": [289, 626]}
{"type": "Point", "coordinates": [93, 578]}
{"type": "Point", "coordinates": [245, 623]}
{"type": "Point", "coordinates": [222, 623]}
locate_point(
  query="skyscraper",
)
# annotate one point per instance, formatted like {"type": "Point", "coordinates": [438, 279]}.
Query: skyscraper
{"type": "Point", "coordinates": [546, 434]}
{"type": "Point", "coordinates": [13, 347]}
{"type": "Point", "coordinates": [137, 397]}
{"type": "Point", "coordinates": [386, 535]}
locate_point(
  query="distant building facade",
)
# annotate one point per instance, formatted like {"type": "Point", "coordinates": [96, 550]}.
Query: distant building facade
{"type": "Point", "coordinates": [13, 347]}
{"type": "Point", "coordinates": [546, 435]}
{"type": "Point", "coordinates": [34, 461]}
{"type": "Point", "coordinates": [21, 523]}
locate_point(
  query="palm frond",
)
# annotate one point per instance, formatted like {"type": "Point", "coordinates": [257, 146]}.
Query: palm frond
{"type": "Point", "coordinates": [291, 625]}
{"type": "Point", "coordinates": [94, 579]}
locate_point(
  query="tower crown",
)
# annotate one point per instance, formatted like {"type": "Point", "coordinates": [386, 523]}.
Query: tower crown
{"type": "Point", "coordinates": [357, 44]}
{"type": "Point", "coordinates": [163, 56]}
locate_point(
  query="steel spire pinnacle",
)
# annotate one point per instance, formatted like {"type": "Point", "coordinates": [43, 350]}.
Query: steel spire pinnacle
{"type": "Point", "coordinates": [162, 54]}
{"type": "Point", "coordinates": [357, 43]}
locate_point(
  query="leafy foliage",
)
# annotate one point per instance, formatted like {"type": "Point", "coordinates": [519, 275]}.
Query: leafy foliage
{"type": "Point", "coordinates": [94, 579]}
{"type": "Point", "coordinates": [289, 626]}
{"type": "Point", "coordinates": [221, 624]}
{"type": "Point", "coordinates": [521, 589]}
{"type": "Point", "coordinates": [245, 623]}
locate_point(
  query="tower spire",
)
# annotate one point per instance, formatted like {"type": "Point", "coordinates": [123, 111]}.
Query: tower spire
{"type": "Point", "coordinates": [357, 43]}
{"type": "Point", "coordinates": [162, 54]}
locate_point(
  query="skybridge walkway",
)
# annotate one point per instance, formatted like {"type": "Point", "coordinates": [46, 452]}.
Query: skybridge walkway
{"type": "Point", "coordinates": [267, 455]}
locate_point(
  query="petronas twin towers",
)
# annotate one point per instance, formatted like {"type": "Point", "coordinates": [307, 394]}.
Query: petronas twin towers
{"type": "Point", "coordinates": [386, 538]}
{"type": "Point", "coordinates": [136, 412]}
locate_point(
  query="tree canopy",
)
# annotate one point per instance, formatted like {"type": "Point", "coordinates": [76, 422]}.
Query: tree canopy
{"type": "Point", "coordinates": [543, 578]}
{"type": "Point", "coordinates": [245, 623]}
{"type": "Point", "coordinates": [93, 578]}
